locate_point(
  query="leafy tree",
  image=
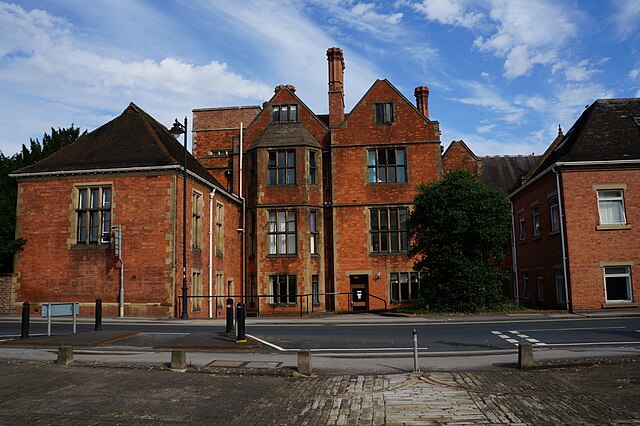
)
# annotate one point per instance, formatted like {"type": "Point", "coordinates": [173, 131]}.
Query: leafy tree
{"type": "Point", "coordinates": [9, 187]}
{"type": "Point", "coordinates": [459, 231]}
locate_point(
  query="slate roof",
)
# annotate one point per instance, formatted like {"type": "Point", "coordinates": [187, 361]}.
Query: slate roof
{"type": "Point", "coordinates": [283, 135]}
{"type": "Point", "coordinates": [608, 130]}
{"type": "Point", "coordinates": [133, 139]}
{"type": "Point", "coordinates": [505, 172]}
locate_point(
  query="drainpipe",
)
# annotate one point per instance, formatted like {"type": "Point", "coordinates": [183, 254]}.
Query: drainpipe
{"type": "Point", "coordinates": [213, 193]}
{"type": "Point", "coordinates": [562, 236]}
{"type": "Point", "coordinates": [514, 257]}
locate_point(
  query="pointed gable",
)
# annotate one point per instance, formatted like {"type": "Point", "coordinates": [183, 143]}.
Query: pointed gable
{"type": "Point", "coordinates": [131, 141]}
{"type": "Point", "coordinates": [608, 130]}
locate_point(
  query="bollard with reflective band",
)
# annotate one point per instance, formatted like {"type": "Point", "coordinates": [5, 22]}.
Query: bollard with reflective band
{"type": "Point", "coordinates": [25, 320]}
{"type": "Point", "coordinates": [229, 328]}
{"type": "Point", "coordinates": [98, 315]}
{"type": "Point", "coordinates": [241, 315]}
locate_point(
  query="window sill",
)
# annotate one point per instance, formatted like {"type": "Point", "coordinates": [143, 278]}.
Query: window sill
{"type": "Point", "coordinates": [283, 305]}
{"type": "Point", "coordinates": [196, 249]}
{"type": "Point", "coordinates": [79, 246]}
{"type": "Point", "coordinates": [522, 241]}
{"type": "Point", "coordinates": [620, 304]}
{"type": "Point", "coordinates": [612, 227]}
{"type": "Point", "coordinates": [556, 232]}
{"type": "Point", "coordinates": [387, 183]}
{"type": "Point", "coordinates": [393, 253]}
{"type": "Point", "coordinates": [536, 237]}
{"type": "Point", "coordinates": [279, 256]}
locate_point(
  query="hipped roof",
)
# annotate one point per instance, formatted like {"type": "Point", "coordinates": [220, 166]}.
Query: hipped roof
{"type": "Point", "coordinates": [132, 140]}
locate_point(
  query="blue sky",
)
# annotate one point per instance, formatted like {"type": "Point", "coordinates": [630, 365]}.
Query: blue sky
{"type": "Point", "coordinates": [502, 74]}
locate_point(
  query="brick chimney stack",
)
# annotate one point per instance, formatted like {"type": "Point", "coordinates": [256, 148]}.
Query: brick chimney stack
{"type": "Point", "coordinates": [336, 86]}
{"type": "Point", "coordinates": [422, 100]}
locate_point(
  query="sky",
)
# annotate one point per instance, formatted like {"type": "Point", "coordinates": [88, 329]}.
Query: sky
{"type": "Point", "coordinates": [502, 74]}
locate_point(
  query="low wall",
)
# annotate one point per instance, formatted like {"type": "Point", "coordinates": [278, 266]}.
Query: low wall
{"type": "Point", "coordinates": [6, 302]}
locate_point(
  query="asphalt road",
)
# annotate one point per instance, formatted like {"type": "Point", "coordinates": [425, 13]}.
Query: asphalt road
{"type": "Point", "coordinates": [447, 337]}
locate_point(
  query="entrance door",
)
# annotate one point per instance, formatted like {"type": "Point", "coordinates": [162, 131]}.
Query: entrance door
{"type": "Point", "coordinates": [359, 290]}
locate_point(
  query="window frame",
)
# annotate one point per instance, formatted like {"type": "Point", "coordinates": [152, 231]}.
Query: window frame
{"type": "Point", "coordinates": [313, 167]}
{"type": "Point", "coordinates": [276, 282]}
{"type": "Point", "coordinates": [197, 208]}
{"type": "Point", "coordinates": [619, 200]}
{"type": "Point", "coordinates": [413, 283]}
{"type": "Point", "coordinates": [315, 289]}
{"type": "Point", "coordinates": [384, 113]}
{"type": "Point", "coordinates": [525, 285]}
{"type": "Point", "coordinates": [380, 173]}
{"type": "Point", "coordinates": [313, 232]}
{"type": "Point", "coordinates": [219, 228]}
{"type": "Point", "coordinates": [277, 170]}
{"type": "Point", "coordinates": [276, 235]}
{"type": "Point", "coordinates": [196, 290]}
{"type": "Point", "coordinates": [522, 229]}
{"type": "Point", "coordinates": [613, 275]}
{"type": "Point", "coordinates": [86, 214]}
{"type": "Point", "coordinates": [540, 285]}
{"type": "Point", "coordinates": [560, 288]}
{"type": "Point", "coordinates": [554, 214]}
{"type": "Point", "coordinates": [289, 110]}
{"type": "Point", "coordinates": [378, 233]}
{"type": "Point", "coordinates": [535, 221]}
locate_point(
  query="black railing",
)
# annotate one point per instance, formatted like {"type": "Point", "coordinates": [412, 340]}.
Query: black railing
{"type": "Point", "coordinates": [253, 301]}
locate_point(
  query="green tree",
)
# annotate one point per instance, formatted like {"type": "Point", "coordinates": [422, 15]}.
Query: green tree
{"type": "Point", "coordinates": [9, 187]}
{"type": "Point", "coordinates": [459, 231]}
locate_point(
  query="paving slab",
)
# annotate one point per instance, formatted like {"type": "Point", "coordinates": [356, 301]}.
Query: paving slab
{"type": "Point", "coordinates": [80, 339]}
{"type": "Point", "coordinates": [209, 341]}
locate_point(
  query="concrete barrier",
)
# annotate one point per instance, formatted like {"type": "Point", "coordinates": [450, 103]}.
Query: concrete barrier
{"type": "Point", "coordinates": [525, 355]}
{"type": "Point", "coordinates": [304, 362]}
{"type": "Point", "coordinates": [65, 355]}
{"type": "Point", "coordinates": [178, 359]}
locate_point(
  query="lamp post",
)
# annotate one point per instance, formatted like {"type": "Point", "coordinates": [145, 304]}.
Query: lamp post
{"type": "Point", "coordinates": [177, 130]}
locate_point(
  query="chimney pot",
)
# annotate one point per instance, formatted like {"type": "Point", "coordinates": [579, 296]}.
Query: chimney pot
{"type": "Point", "coordinates": [336, 86]}
{"type": "Point", "coordinates": [422, 100]}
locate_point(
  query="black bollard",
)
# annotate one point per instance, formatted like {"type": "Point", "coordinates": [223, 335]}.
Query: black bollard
{"type": "Point", "coordinates": [241, 315]}
{"type": "Point", "coordinates": [98, 315]}
{"type": "Point", "coordinates": [229, 315]}
{"type": "Point", "coordinates": [25, 320]}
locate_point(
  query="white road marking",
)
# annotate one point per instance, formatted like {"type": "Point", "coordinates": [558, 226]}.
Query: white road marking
{"type": "Point", "coordinates": [575, 329]}
{"type": "Point", "coordinates": [151, 333]}
{"type": "Point", "coordinates": [516, 342]}
{"type": "Point", "coordinates": [497, 332]}
{"type": "Point", "coordinates": [281, 349]}
{"type": "Point", "coordinates": [533, 340]}
{"type": "Point", "coordinates": [596, 343]}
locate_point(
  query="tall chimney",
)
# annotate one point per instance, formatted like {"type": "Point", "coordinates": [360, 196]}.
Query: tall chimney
{"type": "Point", "coordinates": [422, 100]}
{"type": "Point", "coordinates": [336, 86]}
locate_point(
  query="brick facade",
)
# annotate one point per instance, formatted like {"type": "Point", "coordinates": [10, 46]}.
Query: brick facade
{"type": "Point", "coordinates": [341, 197]}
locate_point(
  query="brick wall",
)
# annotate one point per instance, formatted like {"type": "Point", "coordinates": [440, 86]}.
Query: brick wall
{"type": "Point", "coordinates": [457, 156]}
{"type": "Point", "coordinates": [6, 300]}
{"type": "Point", "coordinates": [589, 246]}
{"type": "Point", "coordinates": [53, 267]}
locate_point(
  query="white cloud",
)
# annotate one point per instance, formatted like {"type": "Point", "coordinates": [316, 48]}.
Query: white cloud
{"type": "Point", "coordinates": [448, 12]}
{"type": "Point", "coordinates": [46, 67]}
{"type": "Point", "coordinates": [485, 75]}
{"type": "Point", "coordinates": [634, 73]}
{"type": "Point", "coordinates": [572, 99]}
{"type": "Point", "coordinates": [366, 12]}
{"type": "Point", "coordinates": [486, 128]}
{"type": "Point", "coordinates": [626, 17]}
{"type": "Point", "coordinates": [486, 96]}
{"type": "Point", "coordinates": [528, 33]}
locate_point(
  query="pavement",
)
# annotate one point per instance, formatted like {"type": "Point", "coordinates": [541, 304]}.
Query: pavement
{"type": "Point", "coordinates": [124, 378]}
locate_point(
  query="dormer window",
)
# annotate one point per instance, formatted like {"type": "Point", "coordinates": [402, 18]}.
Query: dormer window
{"type": "Point", "coordinates": [384, 113]}
{"type": "Point", "coordinates": [285, 113]}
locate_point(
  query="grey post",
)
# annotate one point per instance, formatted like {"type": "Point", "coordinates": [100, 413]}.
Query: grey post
{"type": "Point", "coordinates": [65, 355]}
{"type": "Point", "coordinates": [416, 367]}
{"type": "Point", "coordinates": [304, 362]}
{"type": "Point", "coordinates": [178, 359]}
{"type": "Point", "coordinates": [525, 355]}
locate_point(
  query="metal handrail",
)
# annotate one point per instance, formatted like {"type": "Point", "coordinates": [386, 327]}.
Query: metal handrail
{"type": "Point", "coordinates": [299, 302]}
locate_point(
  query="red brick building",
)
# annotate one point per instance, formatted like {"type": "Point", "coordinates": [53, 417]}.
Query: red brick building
{"type": "Point", "coordinates": [126, 173]}
{"type": "Point", "coordinates": [576, 216]}
{"type": "Point", "coordinates": [327, 196]}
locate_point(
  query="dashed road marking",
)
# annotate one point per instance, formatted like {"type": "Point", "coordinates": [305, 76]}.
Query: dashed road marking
{"type": "Point", "coordinates": [521, 337]}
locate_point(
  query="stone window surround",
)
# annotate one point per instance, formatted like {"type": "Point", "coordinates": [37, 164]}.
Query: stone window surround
{"type": "Point", "coordinates": [611, 186]}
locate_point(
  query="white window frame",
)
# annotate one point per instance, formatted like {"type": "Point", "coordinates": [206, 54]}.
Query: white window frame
{"type": "Point", "coordinates": [525, 285]}
{"type": "Point", "coordinates": [605, 197]}
{"type": "Point", "coordinates": [540, 285]}
{"type": "Point", "coordinates": [554, 214]}
{"type": "Point", "coordinates": [522, 228]}
{"type": "Point", "coordinates": [561, 297]}
{"type": "Point", "coordinates": [283, 235]}
{"type": "Point", "coordinates": [612, 274]}
{"type": "Point", "coordinates": [535, 220]}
